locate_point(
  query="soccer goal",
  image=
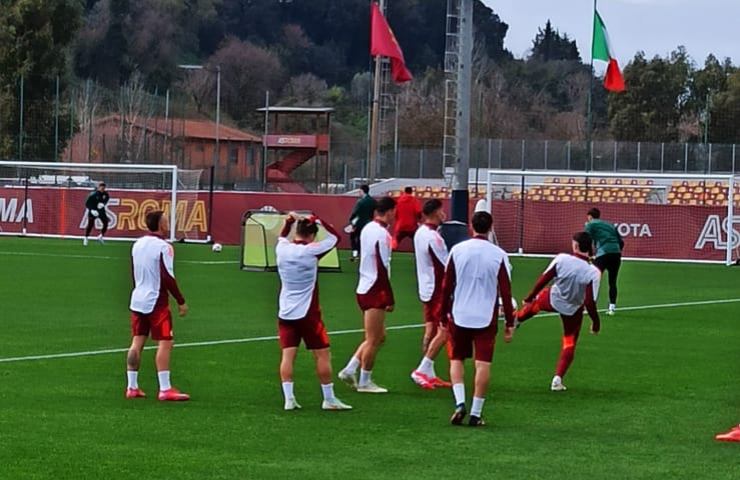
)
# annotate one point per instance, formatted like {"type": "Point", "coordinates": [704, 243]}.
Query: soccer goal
{"type": "Point", "coordinates": [260, 231]}
{"type": "Point", "coordinates": [668, 217]}
{"type": "Point", "coordinates": [48, 199]}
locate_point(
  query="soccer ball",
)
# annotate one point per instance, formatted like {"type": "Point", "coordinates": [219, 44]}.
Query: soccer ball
{"type": "Point", "coordinates": [217, 247]}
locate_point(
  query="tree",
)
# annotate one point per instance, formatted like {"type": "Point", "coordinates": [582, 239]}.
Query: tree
{"type": "Point", "coordinates": [305, 90]}
{"type": "Point", "coordinates": [123, 36]}
{"type": "Point", "coordinates": [135, 110]}
{"type": "Point", "coordinates": [655, 102]}
{"type": "Point", "coordinates": [247, 72]}
{"type": "Point", "coordinates": [550, 45]}
{"type": "Point", "coordinates": [34, 36]}
{"type": "Point", "coordinates": [725, 115]}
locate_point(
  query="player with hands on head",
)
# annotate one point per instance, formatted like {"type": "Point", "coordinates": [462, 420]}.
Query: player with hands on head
{"type": "Point", "coordinates": [299, 316]}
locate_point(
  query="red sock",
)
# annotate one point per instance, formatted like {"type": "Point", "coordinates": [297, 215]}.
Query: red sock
{"type": "Point", "coordinates": [566, 356]}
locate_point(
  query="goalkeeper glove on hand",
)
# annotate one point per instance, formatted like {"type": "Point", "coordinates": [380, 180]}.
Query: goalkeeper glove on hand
{"type": "Point", "coordinates": [94, 213]}
{"type": "Point", "coordinates": [101, 206]}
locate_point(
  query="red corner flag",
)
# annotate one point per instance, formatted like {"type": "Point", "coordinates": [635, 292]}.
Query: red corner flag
{"type": "Point", "coordinates": [383, 43]}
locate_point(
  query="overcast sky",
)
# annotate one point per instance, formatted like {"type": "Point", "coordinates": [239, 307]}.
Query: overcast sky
{"type": "Point", "coordinates": [654, 26]}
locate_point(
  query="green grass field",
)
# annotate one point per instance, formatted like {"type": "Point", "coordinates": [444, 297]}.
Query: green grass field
{"type": "Point", "coordinates": [644, 401]}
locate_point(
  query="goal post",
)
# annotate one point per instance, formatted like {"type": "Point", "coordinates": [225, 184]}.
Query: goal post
{"type": "Point", "coordinates": [41, 199]}
{"type": "Point", "coordinates": [663, 217]}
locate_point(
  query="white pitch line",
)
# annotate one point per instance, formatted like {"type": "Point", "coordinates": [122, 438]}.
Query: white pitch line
{"type": "Point", "coordinates": [103, 257]}
{"type": "Point", "coordinates": [337, 332]}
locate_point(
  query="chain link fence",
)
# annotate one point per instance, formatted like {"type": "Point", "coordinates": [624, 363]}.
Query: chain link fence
{"type": "Point", "coordinates": [85, 123]}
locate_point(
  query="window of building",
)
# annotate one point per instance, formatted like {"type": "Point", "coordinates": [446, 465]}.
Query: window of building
{"type": "Point", "coordinates": [233, 154]}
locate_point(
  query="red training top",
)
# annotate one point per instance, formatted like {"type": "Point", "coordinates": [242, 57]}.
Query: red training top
{"type": "Point", "coordinates": [408, 213]}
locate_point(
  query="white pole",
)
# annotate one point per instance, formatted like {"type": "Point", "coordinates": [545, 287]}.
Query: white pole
{"type": "Point", "coordinates": [489, 193]}
{"type": "Point", "coordinates": [730, 219]}
{"type": "Point", "coordinates": [173, 206]}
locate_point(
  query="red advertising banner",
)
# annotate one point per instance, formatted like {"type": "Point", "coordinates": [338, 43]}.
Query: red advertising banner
{"type": "Point", "coordinates": [649, 231]}
{"type": "Point", "coordinates": [61, 211]}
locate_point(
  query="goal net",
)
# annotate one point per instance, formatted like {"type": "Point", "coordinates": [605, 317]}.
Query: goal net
{"type": "Point", "coordinates": [48, 199]}
{"type": "Point", "coordinates": [260, 232]}
{"type": "Point", "coordinates": [673, 217]}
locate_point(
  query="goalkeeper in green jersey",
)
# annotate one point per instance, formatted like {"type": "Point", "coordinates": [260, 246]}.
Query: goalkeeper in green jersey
{"type": "Point", "coordinates": [608, 244]}
{"type": "Point", "coordinates": [95, 205]}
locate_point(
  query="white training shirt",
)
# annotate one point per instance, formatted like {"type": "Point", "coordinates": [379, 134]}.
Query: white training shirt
{"type": "Point", "coordinates": [477, 265]}
{"type": "Point", "coordinates": [154, 274]}
{"type": "Point", "coordinates": [374, 239]}
{"type": "Point", "coordinates": [572, 275]}
{"type": "Point", "coordinates": [297, 266]}
{"type": "Point", "coordinates": [431, 257]}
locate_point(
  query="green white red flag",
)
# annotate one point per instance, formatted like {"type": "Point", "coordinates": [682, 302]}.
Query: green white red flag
{"type": "Point", "coordinates": [602, 50]}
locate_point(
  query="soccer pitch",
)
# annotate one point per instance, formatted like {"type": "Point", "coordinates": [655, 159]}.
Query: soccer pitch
{"type": "Point", "coordinates": [644, 401]}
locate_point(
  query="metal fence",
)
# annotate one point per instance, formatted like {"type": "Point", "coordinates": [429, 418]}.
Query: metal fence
{"type": "Point", "coordinates": [85, 122]}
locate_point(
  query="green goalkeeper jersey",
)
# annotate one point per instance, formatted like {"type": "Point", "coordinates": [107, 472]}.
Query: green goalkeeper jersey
{"type": "Point", "coordinates": [605, 236]}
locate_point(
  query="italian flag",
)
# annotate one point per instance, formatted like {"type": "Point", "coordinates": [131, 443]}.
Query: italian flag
{"type": "Point", "coordinates": [602, 50]}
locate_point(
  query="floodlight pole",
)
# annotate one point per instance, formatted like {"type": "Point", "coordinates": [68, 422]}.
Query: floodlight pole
{"type": "Point", "coordinates": [460, 180]}
{"type": "Point", "coordinates": [218, 115]}
{"type": "Point", "coordinates": [373, 156]}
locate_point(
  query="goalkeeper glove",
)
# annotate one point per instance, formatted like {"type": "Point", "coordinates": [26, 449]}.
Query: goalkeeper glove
{"type": "Point", "coordinates": [101, 206]}
{"type": "Point", "coordinates": [94, 213]}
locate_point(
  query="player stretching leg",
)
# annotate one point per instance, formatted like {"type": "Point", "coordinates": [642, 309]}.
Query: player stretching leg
{"type": "Point", "coordinates": [95, 205]}
{"type": "Point", "coordinates": [609, 246]}
{"type": "Point", "coordinates": [475, 277]}
{"type": "Point", "coordinates": [374, 296]}
{"type": "Point", "coordinates": [154, 277]}
{"type": "Point", "coordinates": [300, 314]}
{"type": "Point", "coordinates": [431, 257]}
{"type": "Point", "coordinates": [575, 284]}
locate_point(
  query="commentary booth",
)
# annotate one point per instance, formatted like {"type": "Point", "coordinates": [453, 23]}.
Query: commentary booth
{"type": "Point", "coordinates": [260, 232]}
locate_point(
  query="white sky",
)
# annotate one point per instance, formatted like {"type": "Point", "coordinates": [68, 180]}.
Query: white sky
{"type": "Point", "coordinates": [654, 26]}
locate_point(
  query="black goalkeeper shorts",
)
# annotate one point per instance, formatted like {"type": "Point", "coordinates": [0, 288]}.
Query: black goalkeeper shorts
{"type": "Point", "coordinates": [609, 262]}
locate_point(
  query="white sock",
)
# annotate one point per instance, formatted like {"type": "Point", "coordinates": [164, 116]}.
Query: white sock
{"type": "Point", "coordinates": [164, 380]}
{"type": "Point", "coordinates": [612, 306]}
{"type": "Point", "coordinates": [427, 367]}
{"type": "Point", "coordinates": [366, 376]}
{"type": "Point", "coordinates": [328, 391]}
{"type": "Point", "coordinates": [133, 378]}
{"type": "Point", "coordinates": [352, 365]}
{"type": "Point", "coordinates": [557, 379]}
{"type": "Point", "coordinates": [458, 390]}
{"type": "Point", "coordinates": [477, 407]}
{"type": "Point", "coordinates": [288, 390]}
{"type": "Point", "coordinates": [355, 253]}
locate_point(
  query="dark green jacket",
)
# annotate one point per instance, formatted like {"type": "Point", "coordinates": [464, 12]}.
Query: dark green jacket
{"type": "Point", "coordinates": [605, 236]}
{"type": "Point", "coordinates": [363, 212]}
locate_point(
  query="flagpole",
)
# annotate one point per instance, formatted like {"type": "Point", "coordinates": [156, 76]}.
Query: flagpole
{"type": "Point", "coordinates": [589, 120]}
{"type": "Point", "coordinates": [373, 156]}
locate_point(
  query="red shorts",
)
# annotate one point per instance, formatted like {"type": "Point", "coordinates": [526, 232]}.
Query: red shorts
{"type": "Point", "coordinates": [464, 342]}
{"type": "Point", "coordinates": [433, 311]}
{"type": "Point", "coordinates": [379, 296]}
{"type": "Point", "coordinates": [158, 323]}
{"type": "Point", "coordinates": [310, 329]}
{"type": "Point", "coordinates": [542, 301]}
